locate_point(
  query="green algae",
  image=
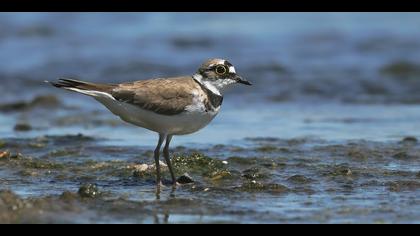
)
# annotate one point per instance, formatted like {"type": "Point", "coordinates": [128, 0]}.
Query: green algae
{"type": "Point", "coordinates": [89, 191]}
{"type": "Point", "coordinates": [63, 153]}
{"type": "Point", "coordinates": [198, 163]}
{"type": "Point", "coordinates": [2, 144]}
{"type": "Point", "coordinates": [253, 173]}
{"type": "Point", "coordinates": [34, 163]}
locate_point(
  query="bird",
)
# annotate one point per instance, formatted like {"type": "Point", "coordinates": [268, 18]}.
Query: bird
{"type": "Point", "coordinates": [169, 106]}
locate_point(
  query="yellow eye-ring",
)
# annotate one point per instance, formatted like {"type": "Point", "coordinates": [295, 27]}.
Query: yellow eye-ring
{"type": "Point", "coordinates": [221, 70]}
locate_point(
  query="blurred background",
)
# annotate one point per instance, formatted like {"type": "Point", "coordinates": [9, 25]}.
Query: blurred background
{"type": "Point", "coordinates": [330, 75]}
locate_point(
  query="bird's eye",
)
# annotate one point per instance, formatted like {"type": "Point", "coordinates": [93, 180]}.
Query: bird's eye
{"type": "Point", "coordinates": [221, 70]}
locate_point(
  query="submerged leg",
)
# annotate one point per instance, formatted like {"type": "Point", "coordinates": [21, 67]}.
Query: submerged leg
{"type": "Point", "coordinates": [167, 158]}
{"type": "Point", "coordinates": [157, 153]}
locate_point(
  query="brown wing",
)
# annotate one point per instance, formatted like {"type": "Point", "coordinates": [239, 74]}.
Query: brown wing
{"type": "Point", "coordinates": [162, 96]}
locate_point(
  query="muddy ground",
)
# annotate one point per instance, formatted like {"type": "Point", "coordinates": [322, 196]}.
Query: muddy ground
{"type": "Point", "coordinates": [71, 179]}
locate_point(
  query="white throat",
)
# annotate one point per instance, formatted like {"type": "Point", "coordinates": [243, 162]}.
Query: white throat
{"type": "Point", "coordinates": [208, 84]}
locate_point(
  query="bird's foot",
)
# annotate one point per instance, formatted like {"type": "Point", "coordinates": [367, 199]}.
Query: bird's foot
{"type": "Point", "coordinates": [160, 185]}
{"type": "Point", "coordinates": [164, 183]}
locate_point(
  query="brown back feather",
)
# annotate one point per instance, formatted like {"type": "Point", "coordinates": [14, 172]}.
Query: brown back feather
{"type": "Point", "coordinates": [162, 96]}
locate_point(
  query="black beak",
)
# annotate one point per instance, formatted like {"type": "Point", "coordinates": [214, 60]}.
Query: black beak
{"type": "Point", "coordinates": [241, 80]}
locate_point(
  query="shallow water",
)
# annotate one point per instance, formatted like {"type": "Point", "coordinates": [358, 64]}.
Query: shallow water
{"type": "Point", "coordinates": [268, 181]}
{"type": "Point", "coordinates": [326, 135]}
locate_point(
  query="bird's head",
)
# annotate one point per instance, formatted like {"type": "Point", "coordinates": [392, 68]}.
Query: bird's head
{"type": "Point", "coordinates": [219, 73]}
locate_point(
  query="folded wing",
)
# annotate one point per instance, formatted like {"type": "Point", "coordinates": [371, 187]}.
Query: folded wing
{"type": "Point", "coordinates": [162, 96]}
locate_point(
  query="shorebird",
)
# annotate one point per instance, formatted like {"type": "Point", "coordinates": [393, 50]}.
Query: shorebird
{"type": "Point", "coordinates": [168, 106]}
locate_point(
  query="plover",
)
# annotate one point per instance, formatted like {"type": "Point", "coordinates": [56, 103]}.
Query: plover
{"type": "Point", "coordinates": [168, 106]}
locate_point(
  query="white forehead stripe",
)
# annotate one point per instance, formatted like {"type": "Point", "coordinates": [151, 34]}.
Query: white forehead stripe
{"type": "Point", "coordinates": [232, 69]}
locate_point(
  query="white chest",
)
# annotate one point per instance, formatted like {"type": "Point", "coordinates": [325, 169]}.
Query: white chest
{"type": "Point", "coordinates": [198, 102]}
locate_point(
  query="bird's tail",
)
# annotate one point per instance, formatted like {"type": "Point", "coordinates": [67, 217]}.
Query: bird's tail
{"type": "Point", "coordinates": [91, 89]}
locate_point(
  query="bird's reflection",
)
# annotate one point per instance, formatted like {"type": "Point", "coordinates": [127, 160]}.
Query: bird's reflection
{"type": "Point", "coordinates": [159, 188]}
{"type": "Point", "coordinates": [161, 218]}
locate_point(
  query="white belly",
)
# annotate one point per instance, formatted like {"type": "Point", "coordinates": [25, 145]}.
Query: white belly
{"type": "Point", "coordinates": [184, 123]}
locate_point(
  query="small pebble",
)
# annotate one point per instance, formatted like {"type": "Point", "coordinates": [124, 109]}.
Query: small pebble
{"type": "Point", "coordinates": [185, 179]}
{"type": "Point", "coordinates": [22, 127]}
{"type": "Point", "coordinates": [4, 154]}
{"type": "Point", "coordinates": [401, 155]}
{"type": "Point", "coordinates": [17, 155]}
{"type": "Point", "coordinates": [410, 140]}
